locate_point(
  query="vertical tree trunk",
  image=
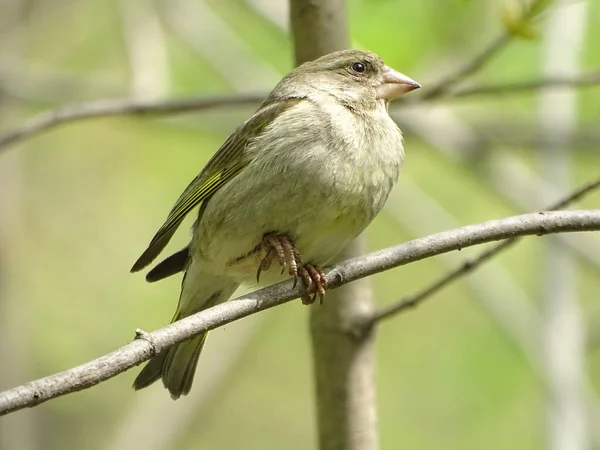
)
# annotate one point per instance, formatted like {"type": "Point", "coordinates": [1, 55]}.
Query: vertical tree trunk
{"type": "Point", "coordinates": [319, 27]}
{"type": "Point", "coordinates": [344, 365]}
{"type": "Point", "coordinates": [343, 357]}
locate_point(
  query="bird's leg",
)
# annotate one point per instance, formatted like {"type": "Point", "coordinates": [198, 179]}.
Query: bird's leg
{"type": "Point", "coordinates": [284, 250]}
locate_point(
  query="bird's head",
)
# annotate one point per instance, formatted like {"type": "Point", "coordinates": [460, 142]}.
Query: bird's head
{"type": "Point", "coordinates": [354, 76]}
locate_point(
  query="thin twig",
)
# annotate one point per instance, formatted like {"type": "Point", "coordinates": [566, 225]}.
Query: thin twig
{"type": "Point", "coordinates": [134, 353]}
{"type": "Point", "coordinates": [121, 107]}
{"type": "Point", "coordinates": [516, 182]}
{"type": "Point", "coordinates": [478, 62]}
{"type": "Point", "coordinates": [583, 80]}
{"type": "Point", "coordinates": [443, 86]}
{"type": "Point", "coordinates": [470, 265]}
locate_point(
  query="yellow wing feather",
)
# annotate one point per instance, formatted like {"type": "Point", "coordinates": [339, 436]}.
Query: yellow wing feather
{"type": "Point", "coordinates": [181, 209]}
{"type": "Point", "coordinates": [222, 167]}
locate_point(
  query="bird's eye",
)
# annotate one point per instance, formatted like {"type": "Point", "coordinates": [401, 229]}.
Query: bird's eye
{"type": "Point", "coordinates": [359, 67]}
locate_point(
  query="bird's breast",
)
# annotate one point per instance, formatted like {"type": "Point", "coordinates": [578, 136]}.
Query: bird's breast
{"type": "Point", "coordinates": [319, 184]}
{"type": "Point", "coordinates": [368, 154]}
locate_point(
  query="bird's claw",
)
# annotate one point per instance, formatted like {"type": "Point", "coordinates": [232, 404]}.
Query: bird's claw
{"type": "Point", "coordinates": [284, 249]}
{"type": "Point", "coordinates": [285, 252]}
{"type": "Point", "coordinates": [313, 274]}
{"type": "Point", "coordinates": [265, 264]}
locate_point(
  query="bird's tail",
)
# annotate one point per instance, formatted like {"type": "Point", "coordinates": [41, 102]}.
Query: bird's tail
{"type": "Point", "coordinates": [177, 365]}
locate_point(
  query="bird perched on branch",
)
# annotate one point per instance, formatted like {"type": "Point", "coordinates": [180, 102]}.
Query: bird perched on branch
{"type": "Point", "coordinates": [291, 187]}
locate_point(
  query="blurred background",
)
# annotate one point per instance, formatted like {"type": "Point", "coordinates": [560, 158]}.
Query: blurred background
{"type": "Point", "coordinates": [506, 358]}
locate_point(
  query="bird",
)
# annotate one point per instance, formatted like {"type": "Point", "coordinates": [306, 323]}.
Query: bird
{"type": "Point", "coordinates": [290, 187]}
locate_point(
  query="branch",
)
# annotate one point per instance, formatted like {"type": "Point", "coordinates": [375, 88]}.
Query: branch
{"type": "Point", "coordinates": [478, 62]}
{"type": "Point", "coordinates": [582, 80]}
{"type": "Point", "coordinates": [147, 345]}
{"type": "Point", "coordinates": [517, 183]}
{"type": "Point", "coordinates": [128, 107]}
{"type": "Point", "coordinates": [472, 264]}
{"type": "Point", "coordinates": [143, 427]}
{"type": "Point", "coordinates": [440, 88]}
{"type": "Point", "coordinates": [120, 107]}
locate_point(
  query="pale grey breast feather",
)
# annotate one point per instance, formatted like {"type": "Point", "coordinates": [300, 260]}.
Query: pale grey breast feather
{"type": "Point", "coordinates": [320, 136]}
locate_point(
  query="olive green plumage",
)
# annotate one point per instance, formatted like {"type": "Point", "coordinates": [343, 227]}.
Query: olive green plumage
{"type": "Point", "coordinates": [315, 162]}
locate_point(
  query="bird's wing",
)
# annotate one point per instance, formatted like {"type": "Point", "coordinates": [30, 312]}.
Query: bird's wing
{"type": "Point", "coordinates": [222, 167]}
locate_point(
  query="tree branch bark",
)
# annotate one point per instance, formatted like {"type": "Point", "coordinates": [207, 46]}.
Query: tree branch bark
{"type": "Point", "coordinates": [149, 344]}
{"type": "Point", "coordinates": [120, 107]}
{"type": "Point", "coordinates": [580, 80]}
{"type": "Point", "coordinates": [319, 27]}
{"type": "Point", "coordinates": [469, 266]}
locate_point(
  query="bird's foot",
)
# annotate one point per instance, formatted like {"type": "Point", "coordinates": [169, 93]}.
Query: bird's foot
{"type": "Point", "coordinates": [283, 249]}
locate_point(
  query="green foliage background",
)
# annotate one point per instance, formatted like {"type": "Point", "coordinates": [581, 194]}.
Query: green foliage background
{"type": "Point", "coordinates": [92, 194]}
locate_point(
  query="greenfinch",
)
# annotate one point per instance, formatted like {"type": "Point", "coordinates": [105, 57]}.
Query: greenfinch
{"type": "Point", "coordinates": [291, 186]}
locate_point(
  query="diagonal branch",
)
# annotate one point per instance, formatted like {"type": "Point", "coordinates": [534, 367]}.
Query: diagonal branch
{"type": "Point", "coordinates": [475, 64]}
{"type": "Point", "coordinates": [472, 264]}
{"type": "Point", "coordinates": [441, 88]}
{"type": "Point", "coordinates": [150, 344]}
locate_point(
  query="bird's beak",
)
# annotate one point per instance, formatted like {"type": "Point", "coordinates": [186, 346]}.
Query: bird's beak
{"type": "Point", "coordinates": [394, 85]}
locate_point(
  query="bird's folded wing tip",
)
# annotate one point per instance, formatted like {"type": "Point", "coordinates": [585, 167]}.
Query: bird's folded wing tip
{"type": "Point", "coordinates": [139, 265]}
